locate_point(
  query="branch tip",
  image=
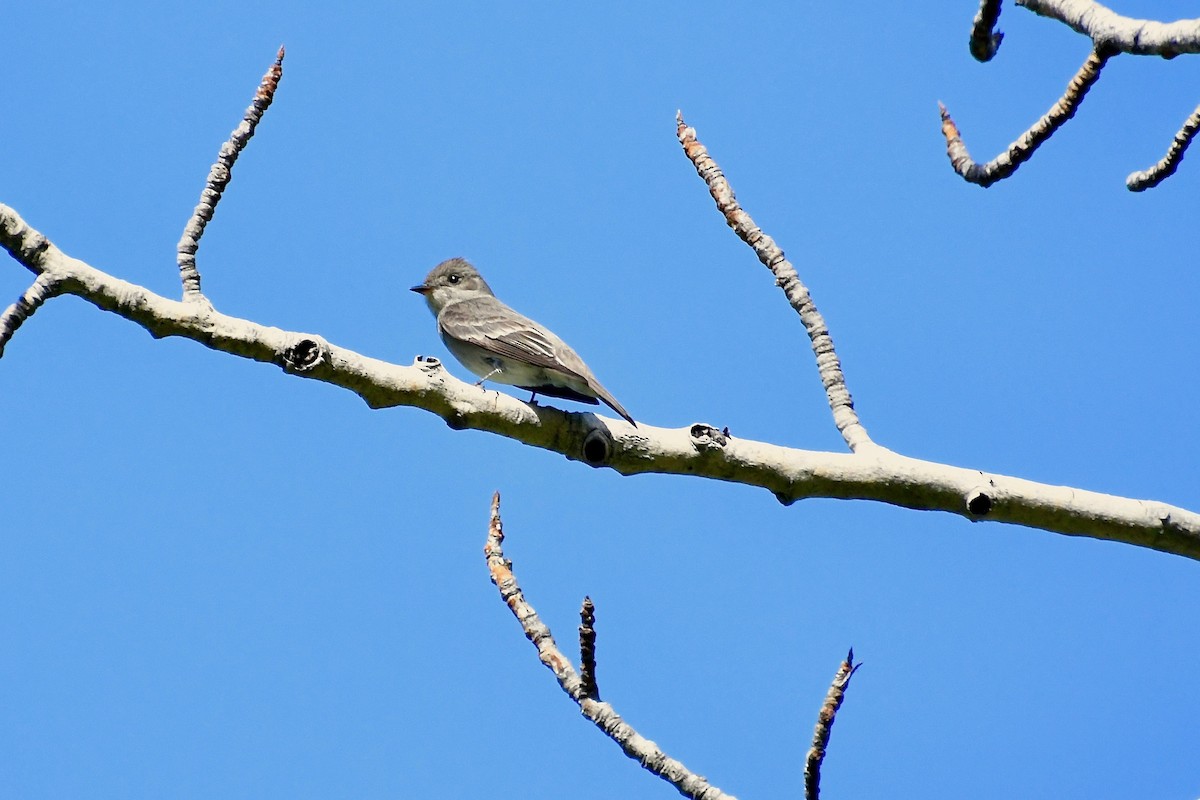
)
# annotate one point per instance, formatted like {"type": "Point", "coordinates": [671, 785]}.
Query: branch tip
{"type": "Point", "coordinates": [587, 649]}
{"type": "Point", "coordinates": [985, 39]}
{"type": "Point", "coordinates": [824, 726]}
{"type": "Point", "coordinates": [218, 179]}
{"type": "Point", "coordinates": [1023, 148]}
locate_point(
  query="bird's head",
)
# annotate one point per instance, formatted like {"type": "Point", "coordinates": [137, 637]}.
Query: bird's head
{"type": "Point", "coordinates": [450, 282]}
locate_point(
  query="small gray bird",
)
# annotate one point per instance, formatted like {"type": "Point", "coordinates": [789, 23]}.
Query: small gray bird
{"type": "Point", "coordinates": [498, 344]}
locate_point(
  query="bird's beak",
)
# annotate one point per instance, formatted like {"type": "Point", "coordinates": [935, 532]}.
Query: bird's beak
{"type": "Point", "coordinates": [422, 289]}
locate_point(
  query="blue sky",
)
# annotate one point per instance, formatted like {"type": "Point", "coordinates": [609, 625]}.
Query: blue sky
{"type": "Point", "coordinates": [219, 581]}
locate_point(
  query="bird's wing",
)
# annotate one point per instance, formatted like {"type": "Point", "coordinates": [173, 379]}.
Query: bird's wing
{"type": "Point", "coordinates": [488, 323]}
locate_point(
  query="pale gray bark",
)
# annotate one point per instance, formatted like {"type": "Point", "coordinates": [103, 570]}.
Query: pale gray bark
{"type": "Point", "coordinates": [645, 751]}
{"type": "Point", "coordinates": [1111, 34]}
{"type": "Point", "coordinates": [700, 449]}
{"type": "Point", "coordinates": [1112, 31]}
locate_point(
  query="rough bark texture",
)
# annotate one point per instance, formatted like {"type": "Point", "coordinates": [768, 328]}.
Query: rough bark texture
{"type": "Point", "coordinates": [1108, 29]}
{"type": "Point", "coordinates": [602, 715]}
{"type": "Point", "coordinates": [701, 449]}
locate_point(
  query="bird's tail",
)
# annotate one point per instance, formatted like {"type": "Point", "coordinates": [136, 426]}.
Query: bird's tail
{"type": "Point", "coordinates": [610, 401]}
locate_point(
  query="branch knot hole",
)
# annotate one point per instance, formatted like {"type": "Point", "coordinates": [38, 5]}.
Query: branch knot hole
{"type": "Point", "coordinates": [429, 364]}
{"type": "Point", "coordinates": [597, 447]}
{"type": "Point", "coordinates": [305, 354]}
{"type": "Point", "coordinates": [979, 503]}
{"type": "Point", "coordinates": [707, 437]}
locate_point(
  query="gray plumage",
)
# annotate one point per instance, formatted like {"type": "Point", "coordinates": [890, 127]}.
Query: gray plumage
{"type": "Point", "coordinates": [498, 344]}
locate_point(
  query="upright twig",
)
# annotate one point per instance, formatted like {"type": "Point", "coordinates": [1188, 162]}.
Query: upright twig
{"type": "Point", "coordinates": [218, 179]}
{"type": "Point", "coordinates": [985, 40]}
{"type": "Point", "coordinates": [602, 715]}
{"type": "Point", "coordinates": [1165, 168]}
{"type": "Point", "coordinates": [1024, 147]}
{"type": "Point", "coordinates": [828, 365]}
{"type": "Point", "coordinates": [824, 726]}
{"type": "Point", "coordinates": [587, 649]}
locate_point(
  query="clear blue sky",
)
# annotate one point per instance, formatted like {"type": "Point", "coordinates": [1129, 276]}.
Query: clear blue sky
{"type": "Point", "coordinates": [219, 581]}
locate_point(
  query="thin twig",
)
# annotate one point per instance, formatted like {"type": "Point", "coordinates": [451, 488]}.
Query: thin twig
{"type": "Point", "coordinates": [43, 287]}
{"type": "Point", "coordinates": [1109, 30]}
{"type": "Point", "coordinates": [218, 179]}
{"type": "Point", "coordinates": [786, 277]}
{"type": "Point", "coordinates": [587, 649]}
{"type": "Point", "coordinates": [985, 40]}
{"type": "Point", "coordinates": [1023, 148]}
{"type": "Point", "coordinates": [601, 714]}
{"type": "Point", "coordinates": [824, 726]}
{"type": "Point", "coordinates": [1165, 168]}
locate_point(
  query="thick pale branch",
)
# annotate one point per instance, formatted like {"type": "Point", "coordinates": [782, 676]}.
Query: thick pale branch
{"type": "Point", "coordinates": [219, 177]}
{"type": "Point", "coordinates": [829, 367]}
{"type": "Point", "coordinates": [1165, 168]}
{"type": "Point", "coordinates": [1024, 147]}
{"type": "Point", "coordinates": [824, 726]}
{"type": "Point", "coordinates": [984, 43]}
{"type": "Point", "coordinates": [602, 715]}
{"type": "Point", "coordinates": [699, 450]}
{"type": "Point", "coordinates": [1111, 31]}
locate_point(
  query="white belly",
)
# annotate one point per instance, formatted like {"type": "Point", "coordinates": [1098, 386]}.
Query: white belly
{"type": "Point", "coordinates": [509, 371]}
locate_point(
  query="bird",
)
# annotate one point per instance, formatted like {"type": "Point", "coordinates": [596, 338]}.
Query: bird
{"type": "Point", "coordinates": [498, 344]}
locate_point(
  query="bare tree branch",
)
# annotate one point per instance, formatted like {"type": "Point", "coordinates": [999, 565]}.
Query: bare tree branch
{"type": "Point", "coordinates": [1111, 34]}
{"type": "Point", "coordinates": [871, 473]}
{"type": "Point", "coordinates": [984, 43]}
{"type": "Point", "coordinates": [218, 179]}
{"type": "Point", "coordinates": [699, 450]}
{"type": "Point", "coordinates": [1111, 31]}
{"type": "Point", "coordinates": [829, 367]}
{"type": "Point", "coordinates": [824, 726]}
{"type": "Point", "coordinates": [1165, 168]}
{"type": "Point", "coordinates": [602, 715]}
{"type": "Point", "coordinates": [1024, 147]}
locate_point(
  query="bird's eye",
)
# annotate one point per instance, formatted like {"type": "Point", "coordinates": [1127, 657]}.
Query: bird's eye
{"type": "Point", "coordinates": [454, 279]}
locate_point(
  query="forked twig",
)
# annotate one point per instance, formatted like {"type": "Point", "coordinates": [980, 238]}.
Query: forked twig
{"type": "Point", "coordinates": [602, 715]}
{"type": "Point", "coordinates": [1110, 34]}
